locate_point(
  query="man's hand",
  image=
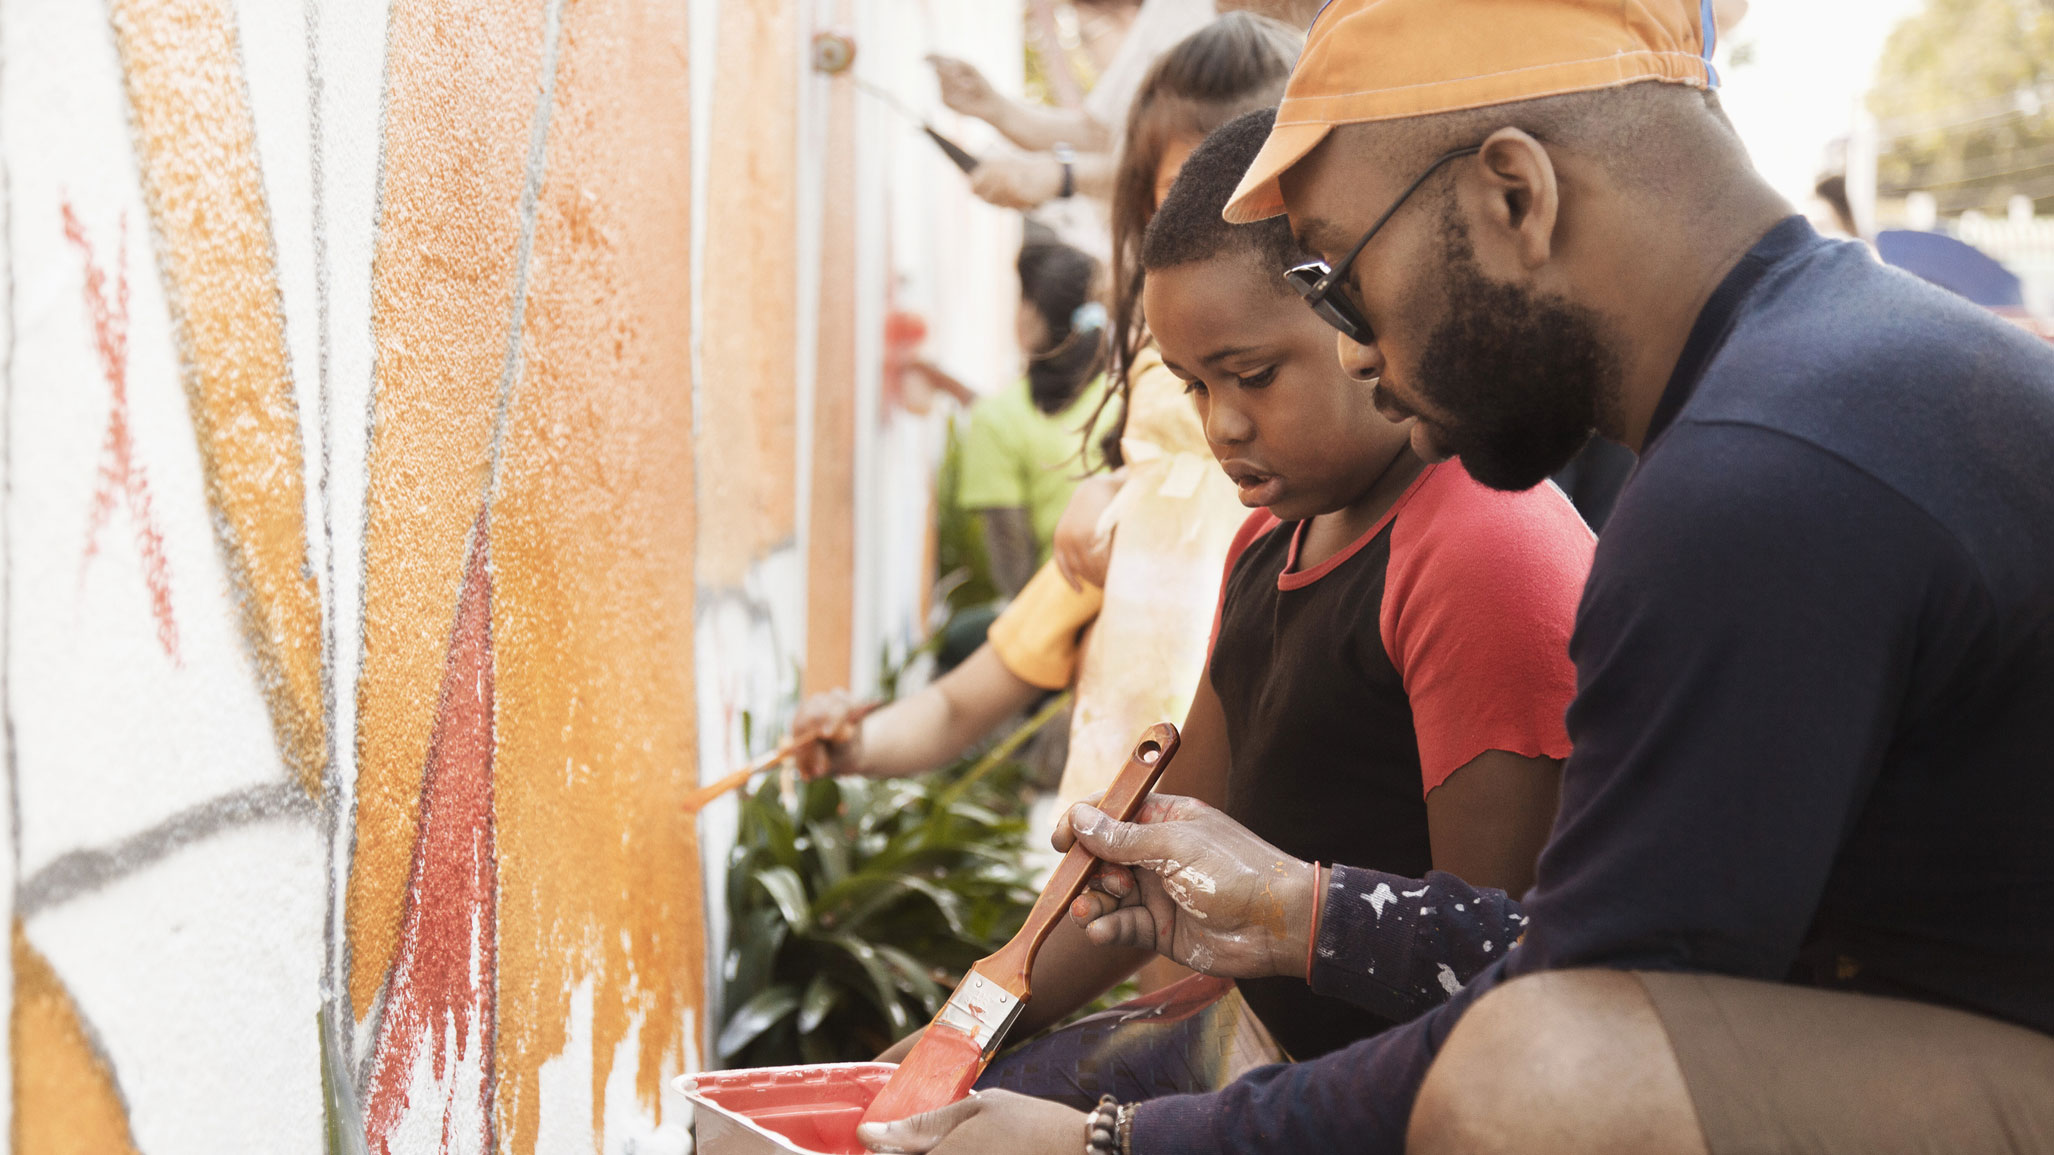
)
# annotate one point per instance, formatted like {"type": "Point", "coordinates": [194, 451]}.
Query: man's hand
{"type": "Point", "coordinates": [830, 725]}
{"type": "Point", "coordinates": [1082, 553]}
{"type": "Point", "coordinates": [1017, 181]}
{"type": "Point", "coordinates": [964, 89]}
{"type": "Point", "coordinates": [986, 1123]}
{"type": "Point", "coordinates": [1194, 885]}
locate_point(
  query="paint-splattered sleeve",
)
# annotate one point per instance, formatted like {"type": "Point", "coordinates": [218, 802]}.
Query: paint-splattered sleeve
{"type": "Point", "coordinates": [1400, 946]}
{"type": "Point", "coordinates": [1415, 950]}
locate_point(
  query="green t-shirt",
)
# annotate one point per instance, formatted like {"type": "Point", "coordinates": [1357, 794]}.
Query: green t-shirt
{"type": "Point", "coordinates": [1016, 456]}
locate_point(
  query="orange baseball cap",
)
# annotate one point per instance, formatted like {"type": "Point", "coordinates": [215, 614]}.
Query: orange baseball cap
{"type": "Point", "coordinates": [1390, 59]}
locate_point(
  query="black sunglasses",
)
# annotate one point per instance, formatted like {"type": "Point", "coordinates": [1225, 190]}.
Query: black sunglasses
{"type": "Point", "coordinates": [1316, 282]}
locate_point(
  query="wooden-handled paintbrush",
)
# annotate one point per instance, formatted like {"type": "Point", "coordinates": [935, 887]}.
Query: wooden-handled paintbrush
{"type": "Point", "coordinates": [964, 1036]}
{"type": "Point", "coordinates": [698, 799]}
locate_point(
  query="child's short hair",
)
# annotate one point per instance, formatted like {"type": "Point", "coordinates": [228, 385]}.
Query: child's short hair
{"type": "Point", "coordinates": [1188, 226]}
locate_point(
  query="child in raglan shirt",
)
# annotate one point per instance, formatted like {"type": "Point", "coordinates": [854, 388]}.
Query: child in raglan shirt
{"type": "Point", "coordinates": [1390, 662]}
{"type": "Point", "coordinates": [1389, 666]}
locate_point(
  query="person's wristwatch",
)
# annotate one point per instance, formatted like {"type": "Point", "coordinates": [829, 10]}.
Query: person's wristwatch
{"type": "Point", "coordinates": [1067, 157]}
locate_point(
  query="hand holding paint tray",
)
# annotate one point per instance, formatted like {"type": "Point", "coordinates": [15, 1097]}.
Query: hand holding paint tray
{"type": "Point", "coordinates": [964, 1036]}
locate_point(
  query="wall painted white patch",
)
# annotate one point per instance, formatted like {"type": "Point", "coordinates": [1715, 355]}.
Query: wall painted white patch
{"type": "Point", "coordinates": [746, 642]}
{"type": "Point", "coordinates": [201, 977]}
{"type": "Point", "coordinates": [348, 84]}
{"type": "Point", "coordinates": [628, 1127]}
{"type": "Point", "coordinates": [93, 684]}
{"type": "Point", "coordinates": [444, 1113]}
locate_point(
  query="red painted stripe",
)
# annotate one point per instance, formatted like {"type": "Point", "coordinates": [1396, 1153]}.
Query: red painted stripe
{"type": "Point", "coordinates": [444, 977]}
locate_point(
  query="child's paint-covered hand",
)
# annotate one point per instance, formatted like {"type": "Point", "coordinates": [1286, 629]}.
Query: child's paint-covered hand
{"type": "Point", "coordinates": [1190, 883]}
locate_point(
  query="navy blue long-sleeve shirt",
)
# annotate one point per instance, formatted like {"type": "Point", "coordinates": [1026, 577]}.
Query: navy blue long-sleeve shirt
{"type": "Point", "coordinates": [1814, 722]}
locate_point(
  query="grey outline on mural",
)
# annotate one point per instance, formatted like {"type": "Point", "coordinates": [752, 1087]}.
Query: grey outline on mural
{"type": "Point", "coordinates": [531, 200]}
{"type": "Point", "coordinates": [81, 872]}
{"type": "Point", "coordinates": [360, 1076]}
{"type": "Point", "coordinates": [336, 796]}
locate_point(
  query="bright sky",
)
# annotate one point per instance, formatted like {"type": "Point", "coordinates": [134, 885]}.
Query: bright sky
{"type": "Point", "coordinates": [1812, 60]}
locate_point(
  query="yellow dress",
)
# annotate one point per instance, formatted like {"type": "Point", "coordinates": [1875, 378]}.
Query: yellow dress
{"type": "Point", "coordinates": [1175, 517]}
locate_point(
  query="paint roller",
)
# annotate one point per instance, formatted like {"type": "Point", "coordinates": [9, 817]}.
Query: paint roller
{"type": "Point", "coordinates": [834, 54]}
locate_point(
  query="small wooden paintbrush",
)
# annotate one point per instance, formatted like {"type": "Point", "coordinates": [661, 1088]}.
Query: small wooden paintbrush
{"type": "Point", "coordinates": [698, 799]}
{"type": "Point", "coordinates": [963, 1037]}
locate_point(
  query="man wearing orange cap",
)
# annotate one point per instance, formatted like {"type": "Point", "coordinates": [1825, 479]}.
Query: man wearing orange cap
{"type": "Point", "coordinates": [1800, 893]}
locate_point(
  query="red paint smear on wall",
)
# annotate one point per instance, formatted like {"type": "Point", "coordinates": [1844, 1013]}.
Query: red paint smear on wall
{"type": "Point", "coordinates": [444, 976]}
{"type": "Point", "coordinates": [121, 476]}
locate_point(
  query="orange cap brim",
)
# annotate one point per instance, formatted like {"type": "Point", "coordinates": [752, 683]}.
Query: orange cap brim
{"type": "Point", "coordinates": [1258, 197]}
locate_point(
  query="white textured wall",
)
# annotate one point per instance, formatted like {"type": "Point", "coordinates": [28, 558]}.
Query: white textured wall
{"type": "Point", "coordinates": [167, 867]}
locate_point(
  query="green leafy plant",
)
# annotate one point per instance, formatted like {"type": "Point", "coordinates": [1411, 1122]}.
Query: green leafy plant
{"type": "Point", "coordinates": [855, 905]}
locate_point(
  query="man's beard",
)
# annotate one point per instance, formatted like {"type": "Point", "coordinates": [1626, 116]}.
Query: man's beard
{"type": "Point", "coordinates": [1522, 379]}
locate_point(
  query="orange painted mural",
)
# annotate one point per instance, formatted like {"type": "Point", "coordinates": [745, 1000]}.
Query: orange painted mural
{"type": "Point", "coordinates": [509, 953]}
{"type": "Point", "coordinates": [401, 516]}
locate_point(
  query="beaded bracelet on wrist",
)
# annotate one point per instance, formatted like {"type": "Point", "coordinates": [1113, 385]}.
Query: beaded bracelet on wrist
{"type": "Point", "coordinates": [1102, 1134]}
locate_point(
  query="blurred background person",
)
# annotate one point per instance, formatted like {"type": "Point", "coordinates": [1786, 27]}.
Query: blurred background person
{"type": "Point", "coordinates": [1068, 155]}
{"type": "Point", "coordinates": [1021, 457]}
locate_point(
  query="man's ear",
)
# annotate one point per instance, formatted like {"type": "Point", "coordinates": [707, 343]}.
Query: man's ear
{"type": "Point", "coordinates": [1521, 197]}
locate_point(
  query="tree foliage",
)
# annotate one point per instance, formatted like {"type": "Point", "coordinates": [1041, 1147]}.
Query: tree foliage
{"type": "Point", "coordinates": [1964, 98]}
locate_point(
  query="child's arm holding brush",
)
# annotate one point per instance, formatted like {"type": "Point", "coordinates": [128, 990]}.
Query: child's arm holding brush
{"type": "Point", "coordinates": [917, 733]}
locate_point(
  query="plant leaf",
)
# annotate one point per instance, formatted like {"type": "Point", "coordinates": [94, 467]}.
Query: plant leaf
{"type": "Point", "coordinates": [832, 849]}
{"type": "Point", "coordinates": [753, 944]}
{"type": "Point", "coordinates": [756, 1016]}
{"type": "Point", "coordinates": [765, 824]}
{"type": "Point", "coordinates": [913, 978]}
{"type": "Point", "coordinates": [819, 799]}
{"type": "Point", "coordinates": [785, 889]}
{"type": "Point", "coordinates": [821, 996]}
{"type": "Point", "coordinates": [949, 904]}
{"type": "Point", "coordinates": [880, 978]}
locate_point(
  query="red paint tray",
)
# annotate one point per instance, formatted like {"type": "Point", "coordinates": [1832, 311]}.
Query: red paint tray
{"type": "Point", "coordinates": [810, 1110]}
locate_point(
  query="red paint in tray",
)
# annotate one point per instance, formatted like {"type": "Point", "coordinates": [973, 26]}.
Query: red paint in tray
{"type": "Point", "coordinates": [809, 1109]}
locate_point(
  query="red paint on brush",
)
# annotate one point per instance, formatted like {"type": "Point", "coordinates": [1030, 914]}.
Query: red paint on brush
{"type": "Point", "coordinates": [121, 476]}
{"type": "Point", "coordinates": [938, 1071]}
{"type": "Point", "coordinates": [443, 976]}
{"type": "Point", "coordinates": [946, 1061]}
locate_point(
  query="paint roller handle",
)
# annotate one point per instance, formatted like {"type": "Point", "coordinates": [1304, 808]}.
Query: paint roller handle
{"type": "Point", "coordinates": [1013, 961]}
{"type": "Point", "coordinates": [956, 152]}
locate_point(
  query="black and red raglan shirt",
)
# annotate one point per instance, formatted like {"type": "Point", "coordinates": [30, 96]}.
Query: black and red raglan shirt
{"type": "Point", "coordinates": [1354, 687]}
